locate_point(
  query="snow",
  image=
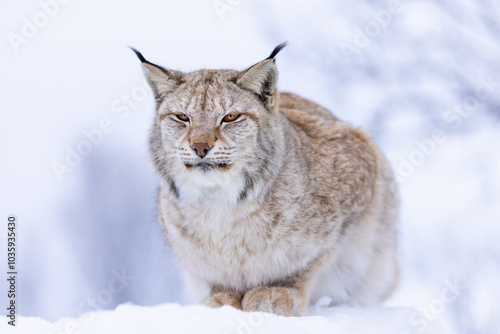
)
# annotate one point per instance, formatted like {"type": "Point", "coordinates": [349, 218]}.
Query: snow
{"type": "Point", "coordinates": [76, 71]}
{"type": "Point", "coordinates": [173, 318]}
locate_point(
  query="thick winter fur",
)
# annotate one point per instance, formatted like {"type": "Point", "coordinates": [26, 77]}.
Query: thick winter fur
{"type": "Point", "coordinates": [289, 204]}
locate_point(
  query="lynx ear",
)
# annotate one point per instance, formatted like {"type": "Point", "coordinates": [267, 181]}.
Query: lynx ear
{"type": "Point", "coordinates": [261, 78]}
{"type": "Point", "coordinates": [161, 80]}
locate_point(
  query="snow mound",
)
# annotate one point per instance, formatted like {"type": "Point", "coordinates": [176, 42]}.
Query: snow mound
{"type": "Point", "coordinates": [174, 318]}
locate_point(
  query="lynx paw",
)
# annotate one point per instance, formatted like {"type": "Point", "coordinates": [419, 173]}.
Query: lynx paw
{"type": "Point", "coordinates": [223, 298]}
{"type": "Point", "coordinates": [281, 301]}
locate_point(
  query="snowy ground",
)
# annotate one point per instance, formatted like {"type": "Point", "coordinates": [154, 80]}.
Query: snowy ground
{"type": "Point", "coordinates": [423, 76]}
{"type": "Point", "coordinates": [173, 318]}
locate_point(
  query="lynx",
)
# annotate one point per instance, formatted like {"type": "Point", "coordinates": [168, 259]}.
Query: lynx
{"type": "Point", "coordinates": [267, 199]}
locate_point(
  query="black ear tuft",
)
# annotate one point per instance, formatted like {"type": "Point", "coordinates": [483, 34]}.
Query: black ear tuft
{"type": "Point", "coordinates": [139, 55]}
{"type": "Point", "coordinates": [277, 50]}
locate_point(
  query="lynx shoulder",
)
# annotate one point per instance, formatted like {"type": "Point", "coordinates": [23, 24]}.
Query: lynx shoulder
{"type": "Point", "coordinates": [267, 199]}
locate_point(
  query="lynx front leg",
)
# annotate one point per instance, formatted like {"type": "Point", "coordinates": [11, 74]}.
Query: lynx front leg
{"type": "Point", "coordinates": [223, 298]}
{"type": "Point", "coordinates": [288, 297]}
{"type": "Point", "coordinates": [278, 300]}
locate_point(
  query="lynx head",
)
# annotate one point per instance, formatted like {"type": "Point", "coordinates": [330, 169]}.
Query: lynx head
{"type": "Point", "coordinates": [214, 129]}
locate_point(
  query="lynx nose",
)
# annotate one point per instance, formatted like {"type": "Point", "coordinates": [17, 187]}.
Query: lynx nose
{"type": "Point", "coordinates": [201, 149]}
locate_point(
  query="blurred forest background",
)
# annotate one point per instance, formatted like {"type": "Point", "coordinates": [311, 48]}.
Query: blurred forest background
{"type": "Point", "coordinates": [423, 76]}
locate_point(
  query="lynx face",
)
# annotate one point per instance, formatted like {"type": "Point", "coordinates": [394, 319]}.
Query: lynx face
{"type": "Point", "coordinates": [210, 124]}
{"type": "Point", "coordinates": [214, 129]}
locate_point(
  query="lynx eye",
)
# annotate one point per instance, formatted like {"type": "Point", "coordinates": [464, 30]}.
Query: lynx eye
{"type": "Point", "coordinates": [230, 118]}
{"type": "Point", "coordinates": [182, 117]}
